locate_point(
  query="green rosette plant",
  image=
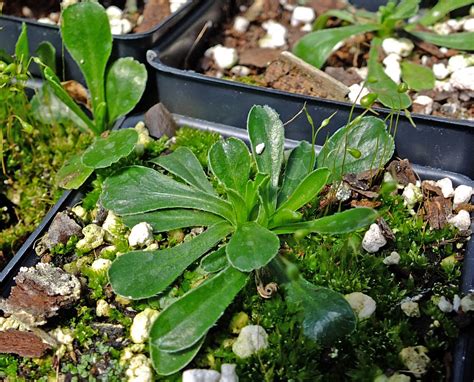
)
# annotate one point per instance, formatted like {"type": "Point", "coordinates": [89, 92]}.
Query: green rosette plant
{"type": "Point", "coordinates": [388, 21]}
{"type": "Point", "coordinates": [244, 224]}
{"type": "Point", "coordinates": [115, 88]}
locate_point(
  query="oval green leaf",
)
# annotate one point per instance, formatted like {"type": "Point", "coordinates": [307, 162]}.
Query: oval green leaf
{"type": "Point", "coordinates": [371, 138]}
{"type": "Point", "coordinates": [108, 150]}
{"type": "Point", "coordinates": [124, 86]}
{"type": "Point", "coordinates": [327, 316]}
{"type": "Point", "coordinates": [73, 174]}
{"type": "Point", "coordinates": [229, 160]}
{"type": "Point", "coordinates": [252, 247]}
{"type": "Point", "coordinates": [460, 41]}
{"type": "Point", "coordinates": [417, 77]}
{"type": "Point", "coordinates": [215, 261]}
{"type": "Point", "coordinates": [86, 34]}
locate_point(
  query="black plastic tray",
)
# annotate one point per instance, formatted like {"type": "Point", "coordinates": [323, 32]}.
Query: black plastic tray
{"type": "Point", "coordinates": [464, 349]}
{"type": "Point", "coordinates": [436, 142]}
{"type": "Point", "coordinates": [129, 45]}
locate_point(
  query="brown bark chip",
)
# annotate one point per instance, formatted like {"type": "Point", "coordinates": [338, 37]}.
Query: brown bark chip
{"type": "Point", "coordinates": [437, 211]}
{"type": "Point", "coordinates": [25, 344]}
{"type": "Point", "coordinates": [154, 12]}
{"type": "Point", "coordinates": [258, 57]}
{"type": "Point", "coordinates": [40, 292]}
{"type": "Point", "coordinates": [402, 171]}
{"type": "Point", "coordinates": [289, 73]}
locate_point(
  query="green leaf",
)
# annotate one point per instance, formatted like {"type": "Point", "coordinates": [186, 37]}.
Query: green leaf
{"type": "Point", "coordinates": [143, 274]}
{"type": "Point", "coordinates": [55, 85]}
{"type": "Point", "coordinates": [22, 47]}
{"type": "Point", "coordinates": [105, 151]}
{"type": "Point", "coordinates": [185, 165]}
{"type": "Point", "coordinates": [307, 190]}
{"type": "Point", "coordinates": [167, 220]}
{"type": "Point", "coordinates": [251, 247]}
{"type": "Point", "coordinates": [297, 168]}
{"type": "Point", "coordinates": [441, 9]}
{"type": "Point", "coordinates": [86, 34]}
{"type": "Point", "coordinates": [229, 160]}
{"type": "Point", "coordinates": [124, 86]}
{"type": "Point", "coordinates": [73, 174]}
{"type": "Point", "coordinates": [405, 9]}
{"type": "Point", "coordinates": [186, 321]}
{"type": "Point", "coordinates": [238, 204]}
{"type": "Point", "coordinates": [316, 47]}
{"type": "Point", "coordinates": [267, 132]}
{"type": "Point", "coordinates": [417, 77]}
{"type": "Point", "coordinates": [252, 190]}
{"type": "Point", "coordinates": [341, 14]}
{"type": "Point", "coordinates": [369, 135]}
{"type": "Point", "coordinates": [341, 222]}
{"type": "Point", "coordinates": [381, 84]}
{"type": "Point", "coordinates": [327, 316]}
{"type": "Point", "coordinates": [46, 52]}
{"type": "Point", "coordinates": [215, 261]}
{"type": "Point", "coordinates": [169, 363]}
{"type": "Point", "coordinates": [460, 41]}
{"type": "Point", "coordinates": [138, 189]}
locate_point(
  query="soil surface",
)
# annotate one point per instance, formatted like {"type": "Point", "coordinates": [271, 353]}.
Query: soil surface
{"type": "Point", "coordinates": [147, 16]}
{"type": "Point", "coordinates": [347, 64]}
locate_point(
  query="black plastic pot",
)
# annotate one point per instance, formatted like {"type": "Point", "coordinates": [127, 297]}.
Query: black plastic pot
{"type": "Point", "coordinates": [436, 142]}
{"type": "Point", "coordinates": [463, 365]}
{"type": "Point", "coordinates": [130, 45]}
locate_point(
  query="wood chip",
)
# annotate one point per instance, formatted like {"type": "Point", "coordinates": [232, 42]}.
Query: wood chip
{"type": "Point", "coordinates": [258, 57]}
{"type": "Point", "coordinates": [365, 203]}
{"type": "Point", "coordinates": [40, 292]}
{"type": "Point", "coordinates": [290, 73]}
{"type": "Point", "coordinates": [428, 187]}
{"type": "Point", "coordinates": [386, 230]}
{"type": "Point", "coordinates": [77, 92]}
{"type": "Point", "coordinates": [23, 343]}
{"type": "Point", "coordinates": [402, 171]}
{"type": "Point", "coordinates": [437, 211]}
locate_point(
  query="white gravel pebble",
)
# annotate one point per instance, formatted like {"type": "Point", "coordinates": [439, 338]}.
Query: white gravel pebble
{"type": "Point", "coordinates": [440, 71]}
{"type": "Point", "coordinates": [356, 92]}
{"type": "Point", "coordinates": [363, 305]}
{"type": "Point", "coordinates": [410, 308]}
{"type": "Point", "coordinates": [141, 235]}
{"type": "Point", "coordinates": [467, 303]}
{"type": "Point", "coordinates": [141, 325]}
{"type": "Point", "coordinates": [224, 57]}
{"type": "Point", "coordinates": [415, 359]}
{"type": "Point", "coordinates": [403, 46]}
{"type": "Point", "coordinates": [275, 37]}
{"type": "Point", "coordinates": [462, 221]}
{"type": "Point", "coordinates": [393, 259]}
{"type": "Point", "coordinates": [457, 62]}
{"type": "Point", "coordinates": [462, 194]}
{"type": "Point", "coordinates": [456, 303]}
{"type": "Point", "coordinates": [469, 25]}
{"type": "Point", "coordinates": [373, 239]}
{"type": "Point", "coordinates": [426, 102]}
{"type": "Point", "coordinates": [251, 340]}
{"type": "Point", "coordinates": [446, 186]}
{"type": "Point", "coordinates": [302, 15]}
{"type": "Point", "coordinates": [228, 373]}
{"type": "Point", "coordinates": [463, 79]}
{"type": "Point", "coordinates": [241, 24]}
{"type": "Point", "coordinates": [201, 375]}
{"type": "Point", "coordinates": [445, 305]}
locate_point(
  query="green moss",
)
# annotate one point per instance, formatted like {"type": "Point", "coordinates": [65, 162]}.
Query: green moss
{"type": "Point", "coordinates": [199, 142]}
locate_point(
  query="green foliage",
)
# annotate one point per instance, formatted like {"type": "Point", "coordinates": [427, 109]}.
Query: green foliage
{"type": "Point", "coordinates": [103, 152]}
{"type": "Point", "coordinates": [315, 47]}
{"type": "Point", "coordinates": [381, 84]}
{"type": "Point", "coordinates": [115, 90]}
{"type": "Point", "coordinates": [417, 77]}
{"type": "Point", "coordinates": [369, 135]}
{"type": "Point", "coordinates": [247, 212]}
{"type": "Point", "coordinates": [199, 142]}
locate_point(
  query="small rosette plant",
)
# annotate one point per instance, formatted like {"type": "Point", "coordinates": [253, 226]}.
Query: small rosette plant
{"type": "Point", "coordinates": [243, 223]}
